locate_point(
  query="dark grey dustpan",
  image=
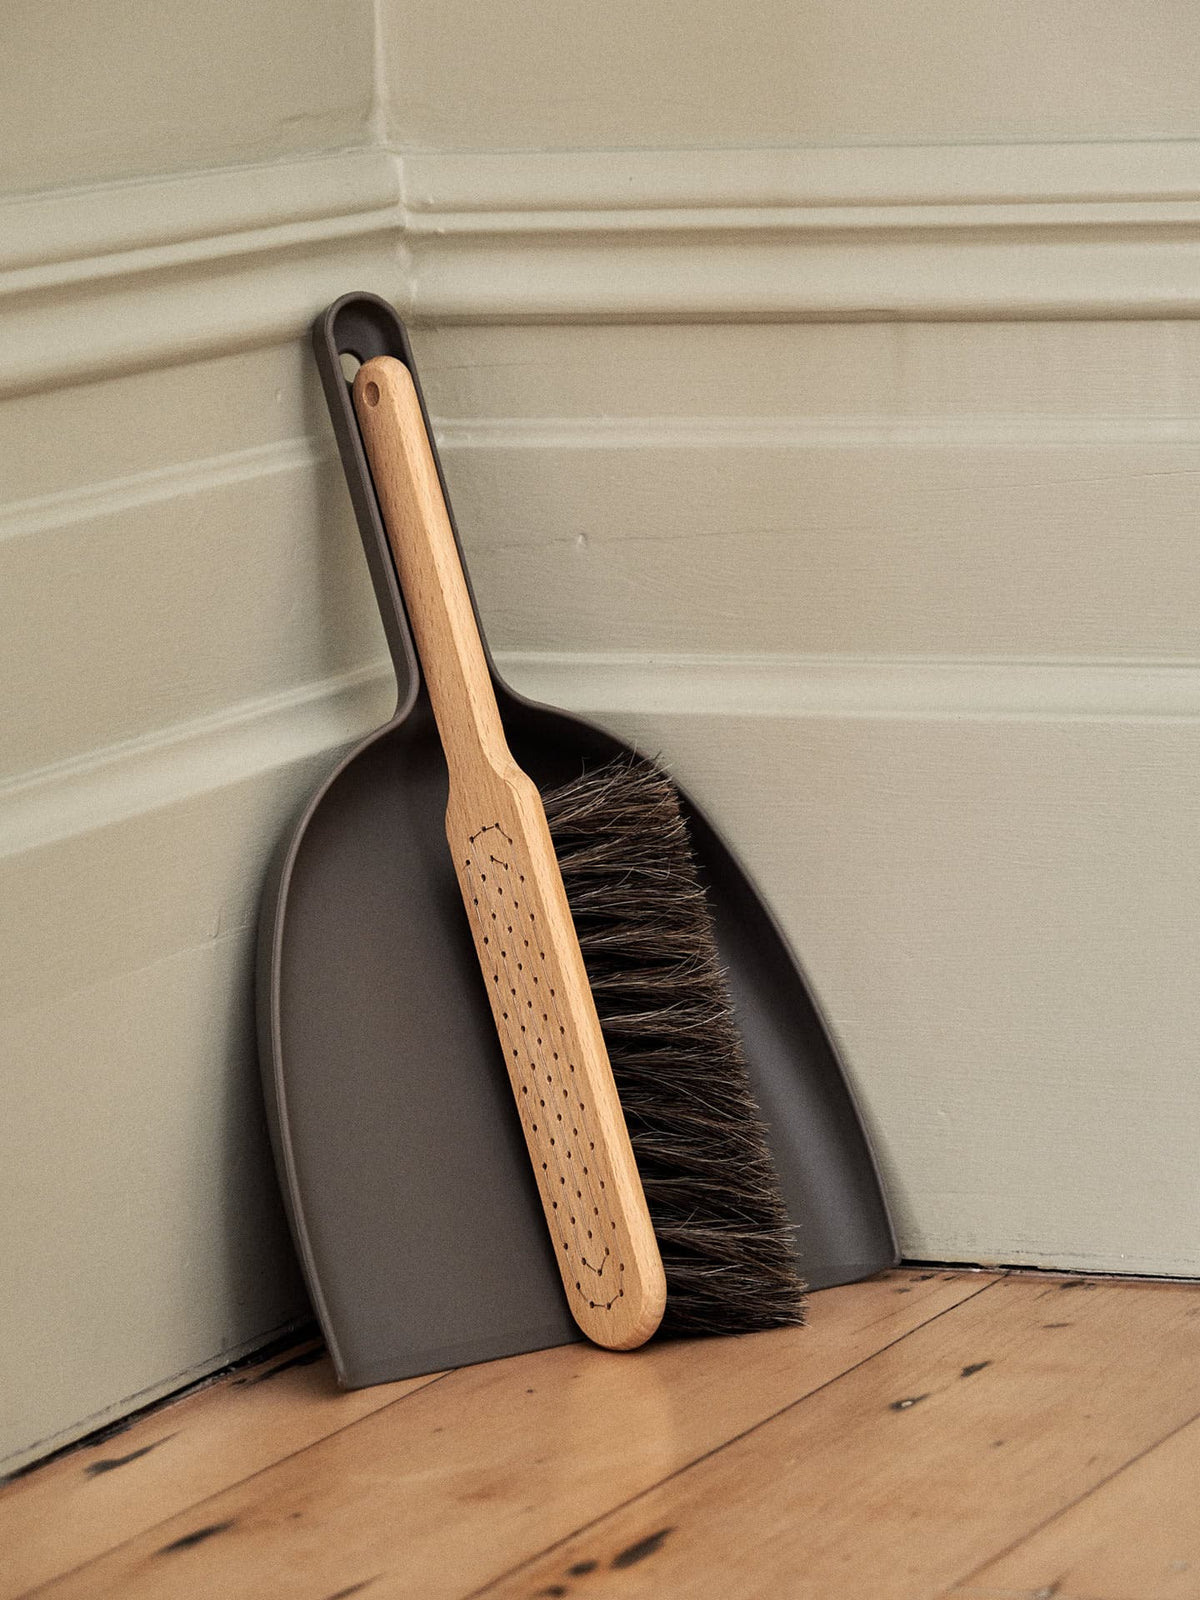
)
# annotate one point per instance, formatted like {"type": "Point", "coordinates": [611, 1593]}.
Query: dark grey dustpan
{"type": "Point", "coordinates": [400, 1153]}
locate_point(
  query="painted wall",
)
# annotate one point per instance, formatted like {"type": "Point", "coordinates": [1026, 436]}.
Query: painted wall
{"type": "Point", "coordinates": [818, 390]}
{"type": "Point", "coordinates": [187, 636]}
{"type": "Point", "coordinates": [115, 90]}
{"type": "Point", "coordinates": [531, 75]}
{"type": "Point", "coordinates": [909, 607]}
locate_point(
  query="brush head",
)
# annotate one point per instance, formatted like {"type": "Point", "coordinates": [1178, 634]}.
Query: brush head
{"type": "Point", "coordinates": [647, 939]}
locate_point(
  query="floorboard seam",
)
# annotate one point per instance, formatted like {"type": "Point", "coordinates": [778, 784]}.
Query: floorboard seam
{"type": "Point", "coordinates": [592, 1522]}
{"type": "Point", "coordinates": [1030, 1533]}
{"type": "Point", "coordinates": [29, 1594]}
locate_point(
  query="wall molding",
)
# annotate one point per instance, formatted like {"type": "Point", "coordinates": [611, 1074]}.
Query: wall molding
{"type": "Point", "coordinates": [42, 513]}
{"type": "Point", "coordinates": [799, 687]}
{"type": "Point", "coordinates": [62, 236]}
{"type": "Point", "coordinates": [445, 183]}
{"type": "Point", "coordinates": [1028, 430]}
{"type": "Point", "coordinates": [127, 276]}
{"type": "Point", "coordinates": [957, 232]}
{"type": "Point", "coordinates": [209, 258]}
{"type": "Point", "coordinates": [176, 763]}
{"type": "Point", "coordinates": [133, 275]}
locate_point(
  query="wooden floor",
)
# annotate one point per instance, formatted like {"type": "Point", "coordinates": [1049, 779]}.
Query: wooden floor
{"type": "Point", "coordinates": [960, 1434]}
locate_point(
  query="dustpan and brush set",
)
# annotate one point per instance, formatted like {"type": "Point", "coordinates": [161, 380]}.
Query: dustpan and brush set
{"type": "Point", "coordinates": [537, 1059]}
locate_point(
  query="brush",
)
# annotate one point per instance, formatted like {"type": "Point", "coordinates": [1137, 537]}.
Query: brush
{"type": "Point", "coordinates": [600, 964]}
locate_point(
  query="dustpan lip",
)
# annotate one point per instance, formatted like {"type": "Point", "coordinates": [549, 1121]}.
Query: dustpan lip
{"type": "Point", "coordinates": [269, 971]}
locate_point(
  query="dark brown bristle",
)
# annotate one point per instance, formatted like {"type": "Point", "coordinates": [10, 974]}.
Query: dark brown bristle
{"type": "Point", "coordinates": [646, 935]}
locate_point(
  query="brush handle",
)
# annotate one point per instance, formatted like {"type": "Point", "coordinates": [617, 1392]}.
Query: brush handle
{"type": "Point", "coordinates": [515, 902]}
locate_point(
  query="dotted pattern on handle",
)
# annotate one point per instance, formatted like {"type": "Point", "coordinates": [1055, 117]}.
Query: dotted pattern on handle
{"type": "Point", "coordinates": [554, 1112]}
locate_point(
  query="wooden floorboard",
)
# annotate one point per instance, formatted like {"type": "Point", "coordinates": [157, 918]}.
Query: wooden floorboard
{"type": "Point", "coordinates": [899, 1479]}
{"type": "Point", "coordinates": [931, 1434]}
{"type": "Point", "coordinates": [1136, 1535]}
{"type": "Point", "coordinates": [85, 1502]}
{"type": "Point", "coordinates": [499, 1460]}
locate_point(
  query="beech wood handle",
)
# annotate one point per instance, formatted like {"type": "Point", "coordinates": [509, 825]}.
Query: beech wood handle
{"type": "Point", "coordinates": [515, 902]}
{"type": "Point", "coordinates": [427, 562]}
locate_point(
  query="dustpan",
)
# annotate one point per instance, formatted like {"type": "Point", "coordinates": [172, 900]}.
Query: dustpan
{"type": "Point", "coordinates": [400, 1155]}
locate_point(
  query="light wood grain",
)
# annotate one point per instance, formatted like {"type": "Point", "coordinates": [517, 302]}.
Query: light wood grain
{"type": "Point", "coordinates": [494, 1463]}
{"type": "Point", "coordinates": [73, 1509]}
{"type": "Point", "coordinates": [515, 902]}
{"type": "Point", "coordinates": [1136, 1535]}
{"type": "Point", "coordinates": [897, 1480]}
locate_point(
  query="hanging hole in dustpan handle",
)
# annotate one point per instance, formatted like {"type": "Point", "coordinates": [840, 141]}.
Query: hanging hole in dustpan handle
{"type": "Point", "coordinates": [357, 328]}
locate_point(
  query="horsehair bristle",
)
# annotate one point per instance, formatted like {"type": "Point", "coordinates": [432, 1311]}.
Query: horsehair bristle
{"type": "Point", "coordinates": [646, 935]}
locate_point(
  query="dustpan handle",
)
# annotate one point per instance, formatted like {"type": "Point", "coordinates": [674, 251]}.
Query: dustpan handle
{"type": "Point", "coordinates": [358, 327]}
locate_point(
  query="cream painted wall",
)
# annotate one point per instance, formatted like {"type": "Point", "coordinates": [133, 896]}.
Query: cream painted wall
{"type": "Point", "coordinates": [910, 608]}
{"type": "Point", "coordinates": [187, 636]}
{"type": "Point", "coordinates": [535, 74]}
{"type": "Point", "coordinates": [818, 387]}
{"type": "Point", "coordinates": [111, 89]}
